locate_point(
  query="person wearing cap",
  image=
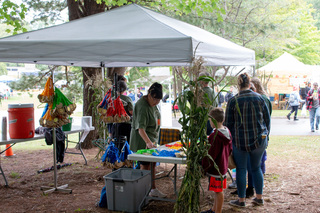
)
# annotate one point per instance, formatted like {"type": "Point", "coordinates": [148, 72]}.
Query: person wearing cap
{"type": "Point", "coordinates": [145, 128]}
{"type": "Point", "coordinates": [294, 101]}
{"type": "Point", "coordinates": [131, 95]}
{"type": "Point", "coordinates": [211, 95]}
{"type": "Point", "coordinates": [313, 98]}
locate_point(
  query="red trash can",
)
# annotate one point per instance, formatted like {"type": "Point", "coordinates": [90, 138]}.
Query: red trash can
{"type": "Point", "coordinates": [21, 121]}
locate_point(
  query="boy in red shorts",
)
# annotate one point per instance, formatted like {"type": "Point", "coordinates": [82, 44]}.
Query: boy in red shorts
{"type": "Point", "coordinates": [221, 147]}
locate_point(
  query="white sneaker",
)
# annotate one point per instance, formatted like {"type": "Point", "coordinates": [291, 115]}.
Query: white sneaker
{"type": "Point", "coordinates": [156, 193]}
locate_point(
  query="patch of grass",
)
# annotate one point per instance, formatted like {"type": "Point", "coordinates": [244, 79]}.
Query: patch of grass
{"type": "Point", "coordinates": [272, 177]}
{"type": "Point", "coordinates": [15, 175]}
{"type": "Point", "coordinates": [80, 210]}
{"type": "Point", "coordinates": [294, 147]}
{"type": "Point", "coordinates": [41, 144]}
{"type": "Point", "coordinates": [21, 97]}
{"type": "Point", "coordinates": [283, 113]}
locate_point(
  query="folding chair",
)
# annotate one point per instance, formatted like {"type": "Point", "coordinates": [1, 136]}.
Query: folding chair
{"type": "Point", "coordinates": [169, 135]}
{"type": "Point", "coordinates": [166, 136]}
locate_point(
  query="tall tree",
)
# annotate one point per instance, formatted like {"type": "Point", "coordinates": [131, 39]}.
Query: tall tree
{"type": "Point", "coordinates": [316, 12]}
{"type": "Point", "coordinates": [82, 8]}
{"type": "Point", "coordinates": [307, 44]}
{"type": "Point", "coordinates": [268, 27]}
{"type": "Point", "coordinates": [12, 14]}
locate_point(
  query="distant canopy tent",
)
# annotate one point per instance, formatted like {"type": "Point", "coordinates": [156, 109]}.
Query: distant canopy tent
{"type": "Point", "coordinates": [286, 65]}
{"type": "Point", "coordinates": [127, 36]}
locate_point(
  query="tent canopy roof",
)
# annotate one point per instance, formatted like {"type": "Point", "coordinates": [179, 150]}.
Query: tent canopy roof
{"type": "Point", "coordinates": [285, 63]}
{"type": "Point", "coordinates": [127, 36]}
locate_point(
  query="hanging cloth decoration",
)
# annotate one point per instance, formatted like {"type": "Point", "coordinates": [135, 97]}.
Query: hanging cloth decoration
{"type": "Point", "coordinates": [112, 111]}
{"type": "Point", "coordinates": [106, 108]}
{"type": "Point", "coordinates": [58, 107]}
{"type": "Point", "coordinates": [47, 94]}
{"type": "Point", "coordinates": [125, 151]}
{"type": "Point", "coordinates": [47, 120]}
{"type": "Point", "coordinates": [120, 115]}
{"type": "Point", "coordinates": [61, 105]}
{"type": "Point", "coordinates": [111, 158]}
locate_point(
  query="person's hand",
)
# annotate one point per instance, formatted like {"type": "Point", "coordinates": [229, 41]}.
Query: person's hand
{"type": "Point", "coordinates": [150, 145]}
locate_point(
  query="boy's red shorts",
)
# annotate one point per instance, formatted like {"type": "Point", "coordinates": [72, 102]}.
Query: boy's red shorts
{"type": "Point", "coordinates": [215, 183]}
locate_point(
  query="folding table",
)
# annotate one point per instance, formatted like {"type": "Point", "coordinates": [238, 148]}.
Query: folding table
{"type": "Point", "coordinates": [75, 129]}
{"type": "Point", "coordinates": [151, 158]}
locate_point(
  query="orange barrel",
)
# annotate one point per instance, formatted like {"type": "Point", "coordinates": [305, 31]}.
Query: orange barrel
{"type": "Point", "coordinates": [21, 120]}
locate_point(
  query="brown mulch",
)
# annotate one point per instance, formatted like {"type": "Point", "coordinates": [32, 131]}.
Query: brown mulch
{"type": "Point", "coordinates": [289, 186]}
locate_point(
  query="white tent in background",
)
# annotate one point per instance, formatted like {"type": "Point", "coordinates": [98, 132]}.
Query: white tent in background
{"type": "Point", "coordinates": [285, 72]}
{"type": "Point", "coordinates": [284, 65]}
{"type": "Point", "coordinates": [127, 36]}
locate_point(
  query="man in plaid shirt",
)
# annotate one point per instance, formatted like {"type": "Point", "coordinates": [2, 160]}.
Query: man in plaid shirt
{"type": "Point", "coordinates": [313, 98]}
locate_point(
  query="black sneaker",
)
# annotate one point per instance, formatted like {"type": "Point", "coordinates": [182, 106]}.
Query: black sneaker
{"type": "Point", "coordinates": [249, 192]}
{"type": "Point", "coordinates": [312, 130]}
{"type": "Point", "coordinates": [317, 128]}
{"type": "Point", "coordinates": [234, 192]}
{"type": "Point", "coordinates": [296, 119]}
{"type": "Point", "coordinates": [257, 201]}
{"type": "Point", "coordinates": [288, 116]}
{"type": "Point", "coordinates": [237, 203]}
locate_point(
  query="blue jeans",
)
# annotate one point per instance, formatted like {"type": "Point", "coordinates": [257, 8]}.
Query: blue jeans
{"type": "Point", "coordinates": [313, 115]}
{"type": "Point", "coordinates": [240, 158]}
{"type": "Point", "coordinates": [263, 168]}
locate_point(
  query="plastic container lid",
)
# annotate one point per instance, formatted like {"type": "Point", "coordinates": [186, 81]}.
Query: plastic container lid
{"type": "Point", "coordinates": [12, 106]}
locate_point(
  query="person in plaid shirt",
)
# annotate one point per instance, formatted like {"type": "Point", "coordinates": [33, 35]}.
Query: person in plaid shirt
{"type": "Point", "coordinates": [248, 119]}
{"type": "Point", "coordinates": [313, 98]}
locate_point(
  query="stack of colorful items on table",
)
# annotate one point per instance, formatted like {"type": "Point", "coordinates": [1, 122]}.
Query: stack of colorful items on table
{"type": "Point", "coordinates": [170, 150]}
{"type": "Point", "coordinates": [111, 158]}
{"type": "Point", "coordinates": [176, 146]}
{"type": "Point", "coordinates": [112, 111]}
{"type": "Point", "coordinates": [58, 107]}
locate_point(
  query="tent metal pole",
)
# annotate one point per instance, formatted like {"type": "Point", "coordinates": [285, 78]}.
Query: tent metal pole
{"type": "Point", "coordinates": [103, 77]}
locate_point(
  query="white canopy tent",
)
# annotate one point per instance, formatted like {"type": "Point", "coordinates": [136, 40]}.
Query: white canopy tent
{"type": "Point", "coordinates": [286, 64]}
{"type": "Point", "coordinates": [127, 36]}
{"type": "Point", "coordinates": [285, 72]}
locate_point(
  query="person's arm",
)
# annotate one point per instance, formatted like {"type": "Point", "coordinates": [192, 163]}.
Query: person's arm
{"type": "Point", "coordinates": [309, 95]}
{"type": "Point", "coordinates": [266, 116]}
{"type": "Point", "coordinates": [229, 116]}
{"type": "Point", "coordinates": [146, 139]}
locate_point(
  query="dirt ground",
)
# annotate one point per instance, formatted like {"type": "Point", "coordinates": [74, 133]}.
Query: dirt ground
{"type": "Point", "coordinates": [290, 186]}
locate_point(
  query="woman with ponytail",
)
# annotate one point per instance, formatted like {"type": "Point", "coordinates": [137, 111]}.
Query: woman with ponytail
{"type": "Point", "coordinates": [248, 119]}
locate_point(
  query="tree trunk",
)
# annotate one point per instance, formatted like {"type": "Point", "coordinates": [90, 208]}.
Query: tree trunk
{"type": "Point", "coordinates": [79, 9]}
{"type": "Point", "coordinates": [88, 110]}
{"type": "Point", "coordinates": [112, 70]}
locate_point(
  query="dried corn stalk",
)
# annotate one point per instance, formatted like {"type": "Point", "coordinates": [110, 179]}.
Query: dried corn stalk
{"type": "Point", "coordinates": [194, 107]}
